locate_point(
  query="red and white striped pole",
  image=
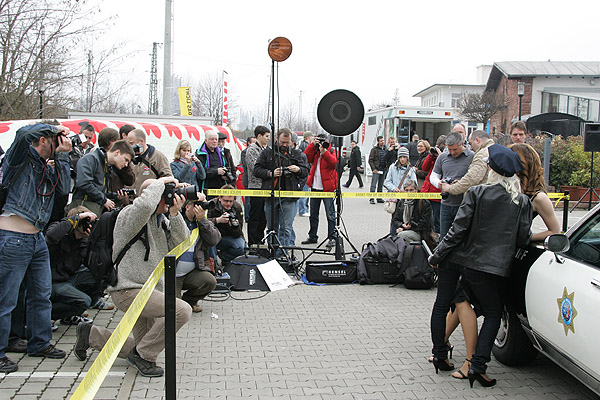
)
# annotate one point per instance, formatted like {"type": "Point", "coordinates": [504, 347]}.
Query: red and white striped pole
{"type": "Point", "coordinates": [224, 113]}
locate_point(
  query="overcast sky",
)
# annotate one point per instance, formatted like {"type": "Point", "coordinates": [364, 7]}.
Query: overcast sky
{"type": "Point", "coordinates": [369, 47]}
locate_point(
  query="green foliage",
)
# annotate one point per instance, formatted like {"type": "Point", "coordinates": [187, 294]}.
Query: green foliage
{"type": "Point", "coordinates": [569, 164]}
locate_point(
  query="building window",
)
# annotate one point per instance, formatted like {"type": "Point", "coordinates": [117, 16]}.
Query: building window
{"type": "Point", "coordinates": [455, 99]}
{"type": "Point", "coordinates": [372, 120]}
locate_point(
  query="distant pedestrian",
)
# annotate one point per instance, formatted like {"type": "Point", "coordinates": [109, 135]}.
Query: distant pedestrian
{"type": "Point", "coordinates": [355, 164]}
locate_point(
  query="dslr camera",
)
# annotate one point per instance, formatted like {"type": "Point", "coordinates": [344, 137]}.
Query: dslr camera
{"type": "Point", "coordinates": [321, 141]}
{"type": "Point", "coordinates": [448, 181]}
{"type": "Point", "coordinates": [286, 172]}
{"type": "Point", "coordinates": [86, 223]}
{"type": "Point", "coordinates": [138, 149]}
{"type": "Point", "coordinates": [229, 175]}
{"type": "Point", "coordinates": [115, 195]}
{"type": "Point", "coordinates": [433, 150]}
{"type": "Point", "coordinates": [233, 218]}
{"type": "Point", "coordinates": [189, 192]}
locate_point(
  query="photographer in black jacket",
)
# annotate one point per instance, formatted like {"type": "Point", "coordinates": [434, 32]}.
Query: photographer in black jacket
{"type": "Point", "coordinates": [285, 172]}
{"type": "Point", "coordinates": [74, 287]}
{"type": "Point", "coordinates": [227, 215]}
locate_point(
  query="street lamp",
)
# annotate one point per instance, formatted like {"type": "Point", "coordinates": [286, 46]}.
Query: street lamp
{"type": "Point", "coordinates": [521, 93]}
{"type": "Point", "coordinates": [41, 90]}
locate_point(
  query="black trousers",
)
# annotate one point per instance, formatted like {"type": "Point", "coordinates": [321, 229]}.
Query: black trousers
{"type": "Point", "coordinates": [448, 275]}
{"type": "Point", "coordinates": [257, 221]}
{"type": "Point", "coordinates": [354, 172]}
{"type": "Point", "coordinates": [487, 289]}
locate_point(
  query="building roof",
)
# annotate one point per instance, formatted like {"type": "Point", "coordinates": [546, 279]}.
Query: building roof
{"type": "Point", "coordinates": [424, 91]}
{"type": "Point", "coordinates": [518, 69]}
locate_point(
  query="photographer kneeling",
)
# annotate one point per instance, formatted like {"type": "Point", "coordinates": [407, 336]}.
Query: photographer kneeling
{"type": "Point", "coordinates": [74, 288]}
{"type": "Point", "coordinates": [156, 211]}
{"type": "Point", "coordinates": [227, 215]}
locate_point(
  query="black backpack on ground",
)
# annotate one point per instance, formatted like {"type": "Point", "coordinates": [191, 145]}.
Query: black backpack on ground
{"type": "Point", "coordinates": [416, 271]}
{"type": "Point", "coordinates": [99, 258]}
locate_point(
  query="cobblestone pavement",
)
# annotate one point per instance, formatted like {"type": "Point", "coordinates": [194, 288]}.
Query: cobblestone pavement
{"type": "Point", "coordinates": [330, 342]}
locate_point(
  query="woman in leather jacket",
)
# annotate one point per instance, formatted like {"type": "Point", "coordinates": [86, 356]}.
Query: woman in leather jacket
{"type": "Point", "coordinates": [492, 221]}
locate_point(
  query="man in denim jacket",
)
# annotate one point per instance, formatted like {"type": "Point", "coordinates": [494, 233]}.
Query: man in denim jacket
{"type": "Point", "coordinates": [23, 252]}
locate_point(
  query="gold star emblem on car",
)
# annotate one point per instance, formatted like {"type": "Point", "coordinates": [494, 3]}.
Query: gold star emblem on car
{"type": "Point", "coordinates": [567, 311]}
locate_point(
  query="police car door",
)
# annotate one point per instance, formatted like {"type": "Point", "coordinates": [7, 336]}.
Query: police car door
{"type": "Point", "coordinates": [563, 297]}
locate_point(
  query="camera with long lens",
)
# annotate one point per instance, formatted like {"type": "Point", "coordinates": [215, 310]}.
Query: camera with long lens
{"type": "Point", "coordinates": [321, 141]}
{"type": "Point", "coordinates": [206, 205]}
{"type": "Point", "coordinates": [126, 192]}
{"type": "Point", "coordinates": [229, 175]}
{"type": "Point", "coordinates": [448, 181]}
{"type": "Point", "coordinates": [86, 223]}
{"type": "Point", "coordinates": [189, 192]}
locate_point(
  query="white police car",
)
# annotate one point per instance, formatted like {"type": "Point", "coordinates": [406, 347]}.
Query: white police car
{"type": "Point", "coordinates": [554, 303]}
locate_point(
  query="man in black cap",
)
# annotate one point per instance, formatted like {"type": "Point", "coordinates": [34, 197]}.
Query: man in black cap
{"type": "Point", "coordinates": [492, 221]}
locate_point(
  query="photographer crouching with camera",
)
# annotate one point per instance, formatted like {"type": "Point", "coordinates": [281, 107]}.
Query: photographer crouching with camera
{"type": "Point", "coordinates": [285, 172]}
{"type": "Point", "coordinates": [227, 215]}
{"type": "Point", "coordinates": [219, 168]}
{"type": "Point", "coordinates": [157, 211]}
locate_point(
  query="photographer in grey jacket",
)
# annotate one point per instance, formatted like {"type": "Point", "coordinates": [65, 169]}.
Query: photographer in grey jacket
{"type": "Point", "coordinates": [163, 234]}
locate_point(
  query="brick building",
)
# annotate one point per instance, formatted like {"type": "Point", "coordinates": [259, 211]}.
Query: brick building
{"type": "Point", "coordinates": [550, 86]}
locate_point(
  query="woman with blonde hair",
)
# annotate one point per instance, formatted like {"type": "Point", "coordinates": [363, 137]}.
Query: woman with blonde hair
{"type": "Point", "coordinates": [186, 167]}
{"type": "Point", "coordinates": [534, 187]}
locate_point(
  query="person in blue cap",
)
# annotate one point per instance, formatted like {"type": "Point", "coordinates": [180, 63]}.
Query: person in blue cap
{"type": "Point", "coordinates": [492, 221]}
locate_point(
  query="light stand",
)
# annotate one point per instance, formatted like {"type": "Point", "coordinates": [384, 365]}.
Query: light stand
{"type": "Point", "coordinates": [520, 93]}
{"type": "Point", "coordinates": [279, 50]}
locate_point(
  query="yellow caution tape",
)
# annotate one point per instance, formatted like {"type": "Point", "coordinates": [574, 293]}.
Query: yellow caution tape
{"type": "Point", "coordinates": [95, 376]}
{"type": "Point", "coordinates": [347, 195]}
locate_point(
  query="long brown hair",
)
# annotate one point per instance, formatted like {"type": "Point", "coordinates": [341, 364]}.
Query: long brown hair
{"type": "Point", "coordinates": [532, 176]}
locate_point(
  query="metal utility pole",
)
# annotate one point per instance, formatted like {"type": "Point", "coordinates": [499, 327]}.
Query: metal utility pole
{"type": "Point", "coordinates": [300, 119]}
{"type": "Point", "coordinates": [168, 52]}
{"type": "Point", "coordinates": [88, 99]}
{"type": "Point", "coordinates": [153, 97]}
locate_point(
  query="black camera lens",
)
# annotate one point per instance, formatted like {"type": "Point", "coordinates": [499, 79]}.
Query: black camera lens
{"type": "Point", "coordinates": [188, 192]}
{"type": "Point", "coordinates": [206, 205]}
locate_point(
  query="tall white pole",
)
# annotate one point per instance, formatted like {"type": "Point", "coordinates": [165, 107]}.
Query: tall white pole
{"type": "Point", "coordinates": [167, 81]}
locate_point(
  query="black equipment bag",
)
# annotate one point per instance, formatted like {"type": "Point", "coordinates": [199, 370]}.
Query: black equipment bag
{"type": "Point", "coordinates": [99, 257]}
{"type": "Point", "coordinates": [339, 271]}
{"type": "Point", "coordinates": [244, 273]}
{"type": "Point", "coordinates": [382, 270]}
{"type": "Point", "coordinates": [417, 272]}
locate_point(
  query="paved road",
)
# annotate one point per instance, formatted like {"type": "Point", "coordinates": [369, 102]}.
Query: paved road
{"type": "Point", "coordinates": [331, 342]}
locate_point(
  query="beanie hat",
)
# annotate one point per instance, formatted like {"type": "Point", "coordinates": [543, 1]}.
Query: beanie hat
{"type": "Point", "coordinates": [403, 152]}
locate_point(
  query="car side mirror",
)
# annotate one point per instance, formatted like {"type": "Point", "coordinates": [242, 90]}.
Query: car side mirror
{"type": "Point", "coordinates": [557, 243]}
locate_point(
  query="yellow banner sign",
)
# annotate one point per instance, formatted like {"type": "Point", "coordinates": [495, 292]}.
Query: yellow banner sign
{"type": "Point", "coordinates": [185, 101]}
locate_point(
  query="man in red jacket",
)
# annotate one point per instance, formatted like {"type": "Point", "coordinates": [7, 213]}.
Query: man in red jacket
{"type": "Point", "coordinates": [322, 178]}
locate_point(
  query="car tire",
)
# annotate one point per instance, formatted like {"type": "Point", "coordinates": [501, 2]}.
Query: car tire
{"type": "Point", "coordinates": [512, 345]}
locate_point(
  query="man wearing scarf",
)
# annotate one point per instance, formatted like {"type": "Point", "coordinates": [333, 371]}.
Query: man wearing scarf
{"type": "Point", "coordinates": [214, 161]}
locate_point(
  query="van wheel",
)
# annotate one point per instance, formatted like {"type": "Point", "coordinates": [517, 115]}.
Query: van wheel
{"type": "Point", "coordinates": [512, 345]}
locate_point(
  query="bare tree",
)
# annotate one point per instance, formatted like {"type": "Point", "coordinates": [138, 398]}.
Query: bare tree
{"type": "Point", "coordinates": [481, 107]}
{"type": "Point", "coordinates": [32, 33]}
{"type": "Point", "coordinates": [207, 98]}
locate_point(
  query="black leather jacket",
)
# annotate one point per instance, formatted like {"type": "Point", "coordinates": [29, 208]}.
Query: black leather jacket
{"type": "Point", "coordinates": [487, 230]}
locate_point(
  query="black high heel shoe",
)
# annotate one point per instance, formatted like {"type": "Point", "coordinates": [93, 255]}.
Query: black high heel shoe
{"type": "Point", "coordinates": [444, 365]}
{"type": "Point", "coordinates": [475, 376]}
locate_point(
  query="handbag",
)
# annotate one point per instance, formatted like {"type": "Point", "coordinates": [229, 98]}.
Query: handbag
{"type": "Point", "coordinates": [390, 204]}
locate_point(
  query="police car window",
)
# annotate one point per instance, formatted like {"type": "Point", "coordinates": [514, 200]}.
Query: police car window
{"type": "Point", "coordinates": [585, 243]}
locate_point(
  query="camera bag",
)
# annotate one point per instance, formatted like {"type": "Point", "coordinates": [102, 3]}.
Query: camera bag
{"type": "Point", "coordinates": [339, 271]}
{"type": "Point", "coordinates": [415, 269]}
